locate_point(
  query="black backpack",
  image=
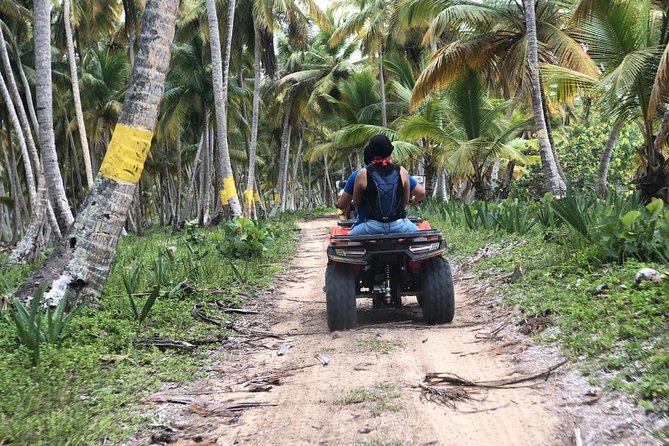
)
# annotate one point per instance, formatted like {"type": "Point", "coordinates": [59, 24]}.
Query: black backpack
{"type": "Point", "coordinates": [385, 194]}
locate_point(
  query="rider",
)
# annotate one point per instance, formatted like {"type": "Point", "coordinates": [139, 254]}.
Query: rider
{"type": "Point", "coordinates": [344, 201]}
{"type": "Point", "coordinates": [385, 188]}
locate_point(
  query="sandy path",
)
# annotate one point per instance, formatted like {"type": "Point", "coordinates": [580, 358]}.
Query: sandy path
{"type": "Point", "coordinates": [381, 363]}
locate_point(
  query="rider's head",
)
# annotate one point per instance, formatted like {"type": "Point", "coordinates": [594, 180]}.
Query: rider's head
{"type": "Point", "coordinates": [380, 147]}
{"type": "Point", "coordinates": [367, 155]}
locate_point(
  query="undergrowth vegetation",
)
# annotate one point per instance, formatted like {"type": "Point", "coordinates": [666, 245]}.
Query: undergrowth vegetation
{"type": "Point", "coordinates": [580, 258]}
{"type": "Point", "coordinates": [77, 381]}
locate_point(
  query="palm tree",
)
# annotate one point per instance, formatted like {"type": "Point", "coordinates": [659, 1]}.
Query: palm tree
{"type": "Point", "coordinates": [627, 39]}
{"type": "Point", "coordinates": [104, 84]}
{"type": "Point", "coordinates": [74, 79]}
{"type": "Point", "coordinates": [552, 180]}
{"type": "Point", "coordinates": [81, 263]}
{"type": "Point", "coordinates": [54, 181]}
{"type": "Point", "coordinates": [493, 38]}
{"type": "Point", "coordinates": [370, 20]}
{"type": "Point", "coordinates": [220, 70]}
{"type": "Point", "coordinates": [473, 132]}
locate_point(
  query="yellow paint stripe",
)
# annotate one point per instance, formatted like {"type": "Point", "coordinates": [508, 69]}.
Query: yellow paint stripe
{"type": "Point", "coordinates": [126, 154]}
{"type": "Point", "coordinates": [229, 190]}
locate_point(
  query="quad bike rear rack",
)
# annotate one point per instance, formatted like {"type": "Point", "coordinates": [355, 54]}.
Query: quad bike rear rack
{"type": "Point", "coordinates": [358, 249]}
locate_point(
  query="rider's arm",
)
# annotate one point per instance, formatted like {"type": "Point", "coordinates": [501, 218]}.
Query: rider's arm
{"type": "Point", "coordinates": [344, 201]}
{"type": "Point", "coordinates": [406, 183]}
{"type": "Point", "coordinates": [418, 193]}
{"type": "Point", "coordinates": [359, 188]}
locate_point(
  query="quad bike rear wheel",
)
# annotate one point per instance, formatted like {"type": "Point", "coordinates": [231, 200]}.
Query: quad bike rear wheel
{"type": "Point", "coordinates": [340, 297]}
{"type": "Point", "coordinates": [438, 299]}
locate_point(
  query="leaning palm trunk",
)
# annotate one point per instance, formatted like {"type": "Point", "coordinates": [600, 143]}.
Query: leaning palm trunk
{"type": "Point", "coordinates": [32, 242]}
{"type": "Point", "coordinates": [74, 80]}
{"type": "Point", "coordinates": [20, 109]}
{"type": "Point", "coordinates": [552, 180]}
{"type": "Point", "coordinates": [601, 183]}
{"type": "Point", "coordinates": [81, 262]}
{"type": "Point", "coordinates": [549, 131]}
{"type": "Point", "coordinates": [253, 145]}
{"type": "Point", "coordinates": [26, 85]}
{"type": "Point", "coordinates": [225, 182]}
{"type": "Point", "coordinates": [54, 181]}
{"type": "Point", "coordinates": [30, 179]}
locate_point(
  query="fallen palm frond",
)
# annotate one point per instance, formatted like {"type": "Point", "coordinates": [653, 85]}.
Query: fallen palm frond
{"type": "Point", "coordinates": [443, 396]}
{"type": "Point", "coordinates": [451, 379]}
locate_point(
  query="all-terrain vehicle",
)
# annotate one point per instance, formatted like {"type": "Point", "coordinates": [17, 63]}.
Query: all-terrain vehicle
{"type": "Point", "coordinates": [385, 268]}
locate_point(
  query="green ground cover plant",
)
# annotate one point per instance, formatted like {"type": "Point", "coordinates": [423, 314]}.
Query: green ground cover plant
{"type": "Point", "coordinates": [84, 387]}
{"type": "Point", "coordinates": [580, 263]}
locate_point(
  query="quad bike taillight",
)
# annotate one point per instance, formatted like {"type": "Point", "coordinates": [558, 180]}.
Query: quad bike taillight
{"type": "Point", "coordinates": [350, 252]}
{"type": "Point", "coordinates": [420, 249]}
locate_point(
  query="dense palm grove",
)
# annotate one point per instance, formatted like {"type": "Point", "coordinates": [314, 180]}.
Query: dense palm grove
{"type": "Point", "coordinates": [470, 94]}
{"type": "Point", "coordinates": [543, 120]}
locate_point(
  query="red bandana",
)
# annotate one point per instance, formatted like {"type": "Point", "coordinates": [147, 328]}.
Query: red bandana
{"type": "Point", "coordinates": [378, 160]}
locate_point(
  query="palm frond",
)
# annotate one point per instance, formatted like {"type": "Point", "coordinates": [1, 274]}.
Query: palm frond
{"type": "Point", "coordinates": [449, 63]}
{"type": "Point", "coordinates": [660, 89]}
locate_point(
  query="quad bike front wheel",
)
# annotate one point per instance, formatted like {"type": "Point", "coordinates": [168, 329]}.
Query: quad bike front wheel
{"type": "Point", "coordinates": [438, 299]}
{"type": "Point", "coordinates": [340, 297]}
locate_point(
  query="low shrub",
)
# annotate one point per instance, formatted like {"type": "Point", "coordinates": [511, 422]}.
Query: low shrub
{"type": "Point", "coordinates": [242, 238]}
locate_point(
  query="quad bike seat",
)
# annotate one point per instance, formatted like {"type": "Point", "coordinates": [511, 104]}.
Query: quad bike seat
{"type": "Point", "coordinates": [350, 222]}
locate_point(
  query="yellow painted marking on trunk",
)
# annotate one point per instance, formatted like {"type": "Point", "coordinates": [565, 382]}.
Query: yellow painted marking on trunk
{"type": "Point", "coordinates": [256, 197]}
{"type": "Point", "coordinates": [229, 190]}
{"type": "Point", "coordinates": [126, 154]}
{"type": "Point", "coordinates": [248, 197]}
{"type": "Point", "coordinates": [277, 198]}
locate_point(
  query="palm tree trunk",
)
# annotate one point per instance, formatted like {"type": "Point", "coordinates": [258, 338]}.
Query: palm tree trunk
{"type": "Point", "coordinates": [253, 146]}
{"type": "Point", "coordinates": [284, 170]}
{"type": "Point", "coordinates": [74, 80]}
{"type": "Point", "coordinates": [54, 181]}
{"type": "Point", "coordinates": [26, 87]}
{"type": "Point", "coordinates": [14, 190]}
{"type": "Point", "coordinates": [20, 109]}
{"type": "Point", "coordinates": [176, 224]}
{"type": "Point", "coordinates": [327, 183]}
{"type": "Point", "coordinates": [549, 131]}
{"type": "Point", "coordinates": [6, 221]}
{"type": "Point", "coordinates": [552, 180]}
{"type": "Point", "coordinates": [31, 243]}
{"type": "Point", "coordinates": [285, 144]}
{"type": "Point", "coordinates": [601, 183]}
{"type": "Point", "coordinates": [220, 74]}
{"type": "Point", "coordinates": [80, 264]}
{"type": "Point", "coordinates": [19, 200]}
{"type": "Point", "coordinates": [382, 83]}
{"type": "Point", "coordinates": [191, 196]}
{"type": "Point", "coordinates": [129, 10]}
{"type": "Point", "coordinates": [204, 177]}
{"type": "Point", "coordinates": [30, 179]}
{"type": "Point", "coordinates": [296, 164]}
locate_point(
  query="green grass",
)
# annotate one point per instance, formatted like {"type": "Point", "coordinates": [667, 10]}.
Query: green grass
{"type": "Point", "coordinates": [620, 338]}
{"type": "Point", "coordinates": [379, 399]}
{"type": "Point", "coordinates": [376, 345]}
{"type": "Point", "coordinates": [87, 388]}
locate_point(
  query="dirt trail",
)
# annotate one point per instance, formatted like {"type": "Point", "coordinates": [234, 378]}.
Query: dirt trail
{"type": "Point", "coordinates": [368, 394]}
